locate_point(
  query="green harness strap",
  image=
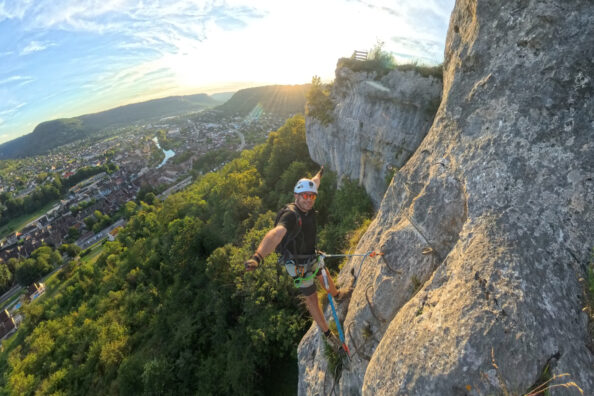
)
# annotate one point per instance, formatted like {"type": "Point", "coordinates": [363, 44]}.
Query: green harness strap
{"type": "Point", "coordinates": [297, 281]}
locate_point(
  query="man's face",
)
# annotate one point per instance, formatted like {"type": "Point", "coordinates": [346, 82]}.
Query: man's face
{"type": "Point", "coordinates": [305, 201]}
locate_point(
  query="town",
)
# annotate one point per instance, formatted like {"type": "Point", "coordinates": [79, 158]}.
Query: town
{"type": "Point", "coordinates": [158, 157]}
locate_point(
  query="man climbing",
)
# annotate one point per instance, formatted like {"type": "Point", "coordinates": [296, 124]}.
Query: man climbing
{"type": "Point", "coordinates": [294, 238]}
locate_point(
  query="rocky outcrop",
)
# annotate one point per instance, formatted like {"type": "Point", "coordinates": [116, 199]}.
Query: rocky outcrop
{"type": "Point", "coordinates": [488, 229]}
{"type": "Point", "coordinates": [378, 124]}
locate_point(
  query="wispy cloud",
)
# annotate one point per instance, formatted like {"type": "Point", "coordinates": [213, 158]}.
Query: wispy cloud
{"type": "Point", "coordinates": [12, 108]}
{"type": "Point", "coordinates": [154, 28]}
{"type": "Point", "coordinates": [10, 111]}
{"type": "Point", "coordinates": [418, 49]}
{"type": "Point", "coordinates": [16, 82]}
{"type": "Point", "coordinates": [117, 51]}
{"type": "Point", "coordinates": [11, 79]}
{"type": "Point", "coordinates": [387, 7]}
{"type": "Point", "coordinates": [36, 46]}
{"type": "Point", "coordinates": [127, 16]}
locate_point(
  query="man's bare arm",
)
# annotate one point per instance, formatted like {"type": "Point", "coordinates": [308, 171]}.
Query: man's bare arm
{"type": "Point", "coordinates": [271, 240]}
{"type": "Point", "coordinates": [267, 246]}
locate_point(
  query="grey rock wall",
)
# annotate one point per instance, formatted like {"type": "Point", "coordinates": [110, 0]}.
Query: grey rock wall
{"type": "Point", "coordinates": [378, 124]}
{"type": "Point", "coordinates": [488, 229]}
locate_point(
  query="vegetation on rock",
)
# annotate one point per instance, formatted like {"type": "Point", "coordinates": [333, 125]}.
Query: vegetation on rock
{"type": "Point", "coordinates": [319, 104]}
{"type": "Point", "coordinates": [382, 62]}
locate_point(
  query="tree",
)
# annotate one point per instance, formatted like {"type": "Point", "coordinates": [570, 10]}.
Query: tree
{"type": "Point", "coordinates": [27, 272]}
{"type": "Point", "coordinates": [73, 234]}
{"type": "Point", "coordinates": [319, 104]}
{"type": "Point", "coordinates": [167, 307]}
{"type": "Point", "coordinates": [72, 250]}
{"type": "Point", "coordinates": [129, 209]}
{"type": "Point", "coordinates": [90, 221]}
{"type": "Point", "coordinates": [5, 278]}
{"type": "Point", "coordinates": [40, 263]}
{"type": "Point", "coordinates": [12, 264]}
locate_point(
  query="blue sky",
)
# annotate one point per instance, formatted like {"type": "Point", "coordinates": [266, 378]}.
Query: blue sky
{"type": "Point", "coordinates": [63, 58]}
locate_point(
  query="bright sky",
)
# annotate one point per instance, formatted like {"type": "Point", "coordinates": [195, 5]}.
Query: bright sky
{"type": "Point", "coordinates": [64, 58]}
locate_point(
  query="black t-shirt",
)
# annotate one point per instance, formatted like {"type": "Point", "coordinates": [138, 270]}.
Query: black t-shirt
{"type": "Point", "coordinates": [305, 242]}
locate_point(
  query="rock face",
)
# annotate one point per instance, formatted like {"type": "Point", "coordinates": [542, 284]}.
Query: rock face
{"type": "Point", "coordinates": [488, 229]}
{"type": "Point", "coordinates": [379, 123]}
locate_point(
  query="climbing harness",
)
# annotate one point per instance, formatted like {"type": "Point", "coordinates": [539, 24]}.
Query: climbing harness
{"type": "Point", "coordinates": [299, 271]}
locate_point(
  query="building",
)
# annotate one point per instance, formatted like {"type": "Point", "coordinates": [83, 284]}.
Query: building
{"type": "Point", "coordinates": [7, 324]}
{"type": "Point", "coordinates": [35, 290]}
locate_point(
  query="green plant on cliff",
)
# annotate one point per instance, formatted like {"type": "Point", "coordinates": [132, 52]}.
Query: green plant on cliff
{"type": "Point", "coordinates": [423, 70]}
{"type": "Point", "coordinates": [382, 59]}
{"type": "Point", "coordinates": [319, 104]}
{"type": "Point", "coordinates": [381, 62]}
{"type": "Point", "coordinates": [390, 172]}
{"type": "Point", "coordinates": [544, 383]}
{"type": "Point", "coordinates": [378, 61]}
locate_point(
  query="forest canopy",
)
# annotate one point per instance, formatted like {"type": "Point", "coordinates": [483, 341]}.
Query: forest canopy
{"type": "Point", "coordinates": [167, 308]}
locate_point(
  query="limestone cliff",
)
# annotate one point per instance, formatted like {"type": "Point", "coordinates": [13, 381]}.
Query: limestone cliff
{"type": "Point", "coordinates": [487, 229]}
{"type": "Point", "coordinates": [378, 123]}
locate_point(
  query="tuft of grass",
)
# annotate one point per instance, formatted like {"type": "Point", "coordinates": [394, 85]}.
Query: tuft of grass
{"type": "Point", "coordinates": [423, 70]}
{"type": "Point", "coordinates": [367, 333]}
{"type": "Point", "coordinates": [545, 378]}
{"type": "Point", "coordinates": [547, 385]}
{"type": "Point", "coordinates": [355, 236]}
{"type": "Point", "coordinates": [381, 63]}
{"type": "Point", "coordinates": [542, 385]}
{"type": "Point", "coordinates": [416, 284]}
{"type": "Point", "coordinates": [333, 359]}
{"type": "Point", "coordinates": [390, 175]}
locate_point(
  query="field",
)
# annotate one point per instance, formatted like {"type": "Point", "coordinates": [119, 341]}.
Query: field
{"type": "Point", "coordinates": [20, 222]}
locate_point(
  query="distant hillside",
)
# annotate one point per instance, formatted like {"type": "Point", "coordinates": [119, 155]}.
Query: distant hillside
{"type": "Point", "coordinates": [222, 96]}
{"type": "Point", "coordinates": [152, 109]}
{"type": "Point", "coordinates": [283, 100]}
{"type": "Point", "coordinates": [51, 134]}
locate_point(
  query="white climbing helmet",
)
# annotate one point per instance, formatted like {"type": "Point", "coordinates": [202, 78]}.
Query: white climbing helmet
{"type": "Point", "coordinates": [305, 185]}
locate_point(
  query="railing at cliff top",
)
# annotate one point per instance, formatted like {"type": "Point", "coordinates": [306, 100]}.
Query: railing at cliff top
{"type": "Point", "coordinates": [360, 55]}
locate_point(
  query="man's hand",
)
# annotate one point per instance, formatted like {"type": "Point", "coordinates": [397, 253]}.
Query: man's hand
{"type": "Point", "coordinates": [250, 265]}
{"type": "Point", "coordinates": [253, 262]}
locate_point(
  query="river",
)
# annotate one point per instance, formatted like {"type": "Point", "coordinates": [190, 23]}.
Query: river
{"type": "Point", "coordinates": [168, 153]}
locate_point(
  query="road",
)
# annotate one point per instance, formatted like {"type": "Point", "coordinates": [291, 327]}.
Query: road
{"type": "Point", "coordinates": [100, 235]}
{"type": "Point", "coordinates": [182, 184]}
